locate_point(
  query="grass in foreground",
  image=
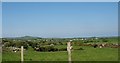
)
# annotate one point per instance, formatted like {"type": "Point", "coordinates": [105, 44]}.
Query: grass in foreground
{"type": "Point", "coordinates": [88, 54]}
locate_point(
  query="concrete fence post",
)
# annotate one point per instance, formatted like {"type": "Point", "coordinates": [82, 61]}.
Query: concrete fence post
{"type": "Point", "coordinates": [22, 54]}
{"type": "Point", "coordinates": [69, 51]}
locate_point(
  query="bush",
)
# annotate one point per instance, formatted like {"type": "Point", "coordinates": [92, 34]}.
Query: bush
{"type": "Point", "coordinates": [105, 40]}
{"type": "Point", "coordinates": [60, 43]}
{"type": "Point", "coordinates": [49, 49]}
{"type": "Point", "coordinates": [63, 49]}
{"type": "Point", "coordinates": [81, 49]}
{"type": "Point", "coordinates": [4, 49]}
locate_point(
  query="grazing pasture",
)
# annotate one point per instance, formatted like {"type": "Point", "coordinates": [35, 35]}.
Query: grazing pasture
{"type": "Point", "coordinates": [87, 54]}
{"type": "Point", "coordinates": [41, 49]}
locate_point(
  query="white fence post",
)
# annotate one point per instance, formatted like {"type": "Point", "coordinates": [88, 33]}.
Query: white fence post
{"type": "Point", "coordinates": [69, 51]}
{"type": "Point", "coordinates": [21, 53]}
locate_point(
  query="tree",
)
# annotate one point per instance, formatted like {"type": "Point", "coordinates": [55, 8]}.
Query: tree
{"type": "Point", "coordinates": [104, 40]}
{"type": "Point", "coordinates": [7, 44]}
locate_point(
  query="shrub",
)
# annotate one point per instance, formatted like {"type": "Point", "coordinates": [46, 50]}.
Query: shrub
{"type": "Point", "coordinates": [81, 49]}
{"type": "Point", "coordinates": [63, 49]}
{"type": "Point", "coordinates": [49, 49]}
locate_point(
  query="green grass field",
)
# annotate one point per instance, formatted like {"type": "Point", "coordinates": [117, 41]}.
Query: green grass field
{"type": "Point", "coordinates": [88, 54]}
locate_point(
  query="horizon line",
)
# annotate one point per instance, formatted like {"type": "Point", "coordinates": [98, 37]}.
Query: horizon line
{"type": "Point", "coordinates": [58, 37]}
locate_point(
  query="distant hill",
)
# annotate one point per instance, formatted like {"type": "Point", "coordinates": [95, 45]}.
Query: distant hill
{"type": "Point", "coordinates": [25, 37]}
{"type": "Point", "coordinates": [29, 37]}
